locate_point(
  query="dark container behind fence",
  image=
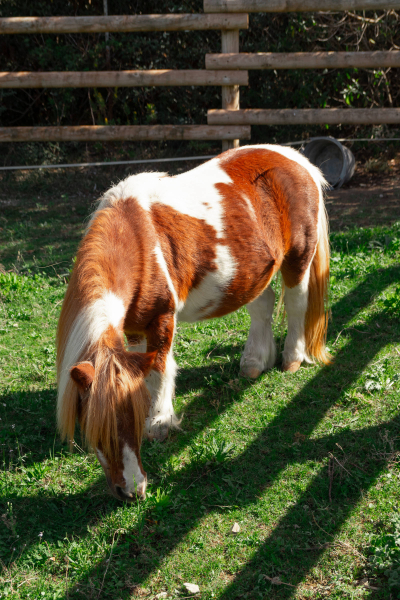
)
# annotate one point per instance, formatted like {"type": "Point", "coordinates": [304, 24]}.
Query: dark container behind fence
{"type": "Point", "coordinates": [336, 162]}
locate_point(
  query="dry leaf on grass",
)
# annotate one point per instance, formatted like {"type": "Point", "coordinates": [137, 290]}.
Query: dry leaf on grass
{"type": "Point", "coordinates": [277, 581]}
{"type": "Point", "coordinates": [193, 588]}
{"type": "Point", "coordinates": [235, 528]}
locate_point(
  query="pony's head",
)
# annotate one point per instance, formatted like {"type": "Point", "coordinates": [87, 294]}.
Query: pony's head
{"type": "Point", "coordinates": [109, 398]}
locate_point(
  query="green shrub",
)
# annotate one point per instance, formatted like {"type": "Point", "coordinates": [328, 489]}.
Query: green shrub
{"type": "Point", "coordinates": [384, 559]}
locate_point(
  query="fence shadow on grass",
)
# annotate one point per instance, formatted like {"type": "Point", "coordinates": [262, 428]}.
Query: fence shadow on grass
{"type": "Point", "coordinates": [33, 439]}
{"type": "Point", "coordinates": [285, 552]}
{"type": "Point", "coordinates": [194, 486]}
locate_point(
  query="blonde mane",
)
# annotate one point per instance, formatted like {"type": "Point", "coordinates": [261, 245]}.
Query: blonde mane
{"type": "Point", "coordinates": [89, 331]}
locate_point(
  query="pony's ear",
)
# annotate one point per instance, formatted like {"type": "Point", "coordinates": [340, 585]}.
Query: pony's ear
{"type": "Point", "coordinates": [83, 375]}
{"type": "Point", "coordinates": [143, 360]}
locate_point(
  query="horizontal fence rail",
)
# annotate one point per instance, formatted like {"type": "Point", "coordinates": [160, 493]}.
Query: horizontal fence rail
{"type": "Point", "coordinates": [79, 79]}
{"type": "Point", "coordinates": [304, 116]}
{"type": "Point", "coordinates": [247, 6]}
{"type": "Point", "coordinates": [180, 22]}
{"type": "Point", "coordinates": [103, 133]}
{"type": "Point", "coordinates": [303, 60]}
{"type": "Point", "coordinates": [228, 69]}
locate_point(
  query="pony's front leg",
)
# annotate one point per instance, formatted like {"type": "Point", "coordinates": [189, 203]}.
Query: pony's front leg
{"type": "Point", "coordinates": [161, 385]}
{"type": "Point", "coordinates": [260, 350]}
{"type": "Point", "coordinates": [161, 380]}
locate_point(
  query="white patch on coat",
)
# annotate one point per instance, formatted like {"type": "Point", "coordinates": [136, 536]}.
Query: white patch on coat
{"type": "Point", "coordinates": [134, 478]}
{"type": "Point", "coordinates": [205, 298]}
{"type": "Point", "coordinates": [250, 207]}
{"type": "Point", "coordinates": [163, 265]}
{"type": "Point", "coordinates": [107, 310]}
{"type": "Point", "coordinates": [88, 327]}
{"type": "Point", "coordinates": [192, 193]}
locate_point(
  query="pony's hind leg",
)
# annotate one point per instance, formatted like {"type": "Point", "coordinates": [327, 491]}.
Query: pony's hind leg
{"type": "Point", "coordinates": [260, 351]}
{"type": "Point", "coordinates": [296, 299]}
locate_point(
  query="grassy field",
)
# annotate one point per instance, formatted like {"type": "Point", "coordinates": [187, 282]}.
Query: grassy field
{"type": "Point", "coordinates": [306, 464]}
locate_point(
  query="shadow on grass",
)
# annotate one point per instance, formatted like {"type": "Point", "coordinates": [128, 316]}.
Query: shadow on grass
{"type": "Point", "coordinates": [283, 552]}
{"type": "Point", "coordinates": [200, 488]}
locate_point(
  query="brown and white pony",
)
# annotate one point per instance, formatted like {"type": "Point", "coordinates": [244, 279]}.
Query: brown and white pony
{"type": "Point", "coordinates": [163, 249]}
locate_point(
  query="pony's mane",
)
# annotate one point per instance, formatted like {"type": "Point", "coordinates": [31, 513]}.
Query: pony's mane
{"type": "Point", "coordinates": [118, 388]}
{"type": "Point", "coordinates": [88, 332]}
{"type": "Point", "coordinates": [88, 283]}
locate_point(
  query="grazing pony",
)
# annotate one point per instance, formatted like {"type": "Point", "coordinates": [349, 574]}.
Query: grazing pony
{"type": "Point", "coordinates": [163, 249]}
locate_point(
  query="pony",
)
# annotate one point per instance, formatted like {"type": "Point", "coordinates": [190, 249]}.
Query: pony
{"type": "Point", "coordinates": [161, 249]}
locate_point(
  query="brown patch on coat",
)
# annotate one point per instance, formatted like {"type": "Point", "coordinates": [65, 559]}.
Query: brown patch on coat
{"type": "Point", "coordinates": [188, 246]}
{"type": "Point", "coordinates": [285, 200]}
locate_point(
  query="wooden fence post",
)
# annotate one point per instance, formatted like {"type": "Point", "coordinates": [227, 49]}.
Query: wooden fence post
{"type": "Point", "coordinates": [230, 93]}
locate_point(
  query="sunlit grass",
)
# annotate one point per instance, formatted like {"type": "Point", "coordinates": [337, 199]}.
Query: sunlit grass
{"type": "Point", "coordinates": [306, 464]}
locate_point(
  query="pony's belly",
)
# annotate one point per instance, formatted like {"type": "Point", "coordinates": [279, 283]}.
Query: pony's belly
{"type": "Point", "coordinates": [201, 305]}
{"type": "Point", "coordinates": [198, 306]}
{"type": "Point", "coordinates": [203, 300]}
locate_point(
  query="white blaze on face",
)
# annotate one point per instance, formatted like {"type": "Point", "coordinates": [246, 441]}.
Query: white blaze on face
{"type": "Point", "coordinates": [135, 480]}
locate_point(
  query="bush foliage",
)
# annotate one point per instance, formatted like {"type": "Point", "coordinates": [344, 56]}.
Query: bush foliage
{"type": "Point", "coordinates": [289, 32]}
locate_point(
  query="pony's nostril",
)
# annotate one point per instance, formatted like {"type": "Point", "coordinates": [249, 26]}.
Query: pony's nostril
{"type": "Point", "coordinates": [122, 494]}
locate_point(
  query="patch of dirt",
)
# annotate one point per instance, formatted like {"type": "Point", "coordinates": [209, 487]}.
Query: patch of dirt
{"type": "Point", "coordinates": [370, 198]}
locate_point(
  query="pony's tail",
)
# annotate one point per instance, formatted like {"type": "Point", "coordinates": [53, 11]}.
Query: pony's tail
{"type": "Point", "coordinates": [316, 322]}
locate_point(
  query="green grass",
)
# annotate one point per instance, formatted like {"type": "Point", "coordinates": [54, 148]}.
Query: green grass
{"type": "Point", "coordinates": [307, 464]}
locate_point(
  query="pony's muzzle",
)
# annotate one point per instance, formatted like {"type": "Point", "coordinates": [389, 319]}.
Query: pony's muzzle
{"type": "Point", "coordinates": [127, 495]}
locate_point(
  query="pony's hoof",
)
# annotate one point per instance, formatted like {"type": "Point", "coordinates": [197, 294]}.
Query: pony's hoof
{"type": "Point", "coordinates": [159, 433]}
{"type": "Point", "coordinates": [162, 433]}
{"type": "Point", "coordinates": [251, 372]}
{"type": "Point", "coordinates": [292, 367]}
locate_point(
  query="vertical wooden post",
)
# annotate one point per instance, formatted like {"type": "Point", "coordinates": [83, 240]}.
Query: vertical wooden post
{"type": "Point", "coordinates": [230, 93]}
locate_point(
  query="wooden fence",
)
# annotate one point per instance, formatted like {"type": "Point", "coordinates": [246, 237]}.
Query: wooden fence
{"type": "Point", "coordinates": [227, 79]}
{"type": "Point", "coordinates": [229, 69]}
{"type": "Point", "coordinates": [299, 60]}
